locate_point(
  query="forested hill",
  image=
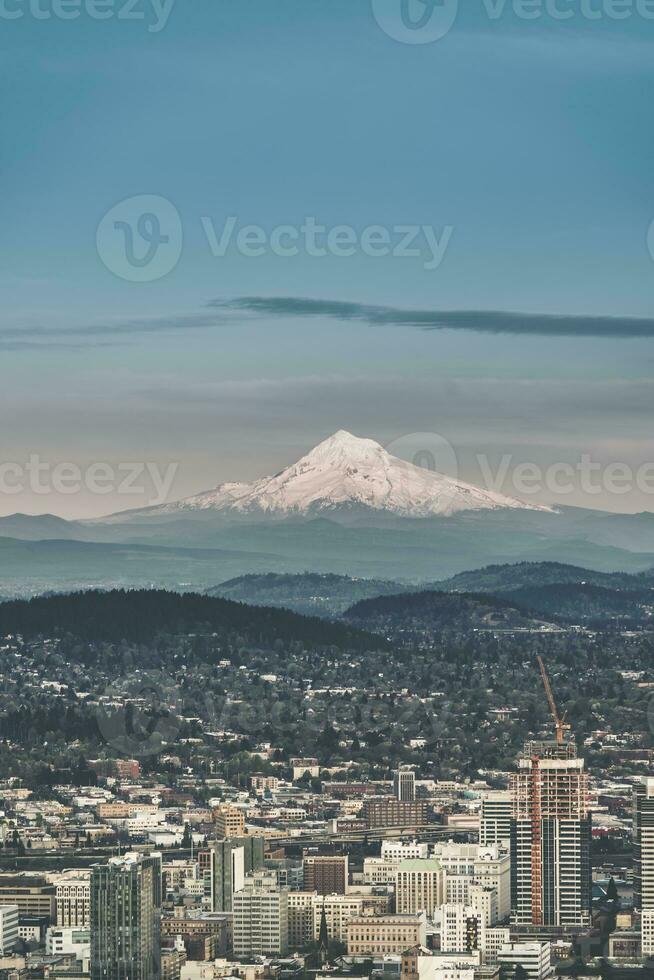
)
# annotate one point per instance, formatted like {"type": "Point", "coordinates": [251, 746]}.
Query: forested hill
{"type": "Point", "coordinates": [439, 611]}
{"type": "Point", "coordinates": [507, 578]}
{"type": "Point", "coordinates": [140, 616]}
{"type": "Point", "coordinates": [311, 594]}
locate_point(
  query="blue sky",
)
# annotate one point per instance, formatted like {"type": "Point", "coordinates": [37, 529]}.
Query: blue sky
{"type": "Point", "coordinates": [530, 140]}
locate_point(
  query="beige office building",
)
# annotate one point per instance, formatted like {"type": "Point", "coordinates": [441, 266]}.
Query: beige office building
{"type": "Point", "coordinates": [340, 909]}
{"type": "Point", "coordinates": [383, 935]}
{"type": "Point", "coordinates": [419, 886]}
{"type": "Point", "coordinates": [230, 821]}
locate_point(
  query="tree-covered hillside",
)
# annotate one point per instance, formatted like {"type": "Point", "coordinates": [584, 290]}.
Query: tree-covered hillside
{"type": "Point", "coordinates": [143, 615]}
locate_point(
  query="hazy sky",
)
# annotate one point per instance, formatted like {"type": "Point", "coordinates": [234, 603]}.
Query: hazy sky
{"type": "Point", "coordinates": [516, 156]}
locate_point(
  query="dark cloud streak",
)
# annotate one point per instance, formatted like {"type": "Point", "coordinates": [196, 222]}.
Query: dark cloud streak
{"type": "Point", "coordinates": [480, 321]}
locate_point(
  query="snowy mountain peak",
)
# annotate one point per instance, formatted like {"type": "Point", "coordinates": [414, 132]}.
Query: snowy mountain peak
{"type": "Point", "coordinates": [344, 473]}
{"type": "Point", "coordinates": [345, 447]}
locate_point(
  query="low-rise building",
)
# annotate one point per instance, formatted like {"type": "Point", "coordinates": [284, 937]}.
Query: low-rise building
{"type": "Point", "coordinates": [534, 957]}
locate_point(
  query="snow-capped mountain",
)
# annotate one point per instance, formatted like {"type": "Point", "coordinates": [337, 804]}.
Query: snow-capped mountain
{"type": "Point", "coordinates": [346, 473]}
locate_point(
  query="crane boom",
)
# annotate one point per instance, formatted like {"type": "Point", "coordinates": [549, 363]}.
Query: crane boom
{"type": "Point", "coordinates": [559, 723]}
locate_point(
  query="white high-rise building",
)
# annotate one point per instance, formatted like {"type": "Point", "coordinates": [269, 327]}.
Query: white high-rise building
{"type": "Point", "coordinates": [465, 930]}
{"type": "Point", "coordinates": [492, 869]}
{"type": "Point", "coordinates": [8, 928]}
{"type": "Point", "coordinates": [495, 822]}
{"type": "Point", "coordinates": [300, 919]}
{"type": "Point", "coordinates": [419, 886]}
{"type": "Point", "coordinates": [457, 889]}
{"type": "Point", "coordinates": [260, 917]}
{"type": "Point", "coordinates": [461, 927]}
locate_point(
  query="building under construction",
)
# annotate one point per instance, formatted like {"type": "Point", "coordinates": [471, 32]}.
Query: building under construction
{"type": "Point", "coordinates": [551, 888]}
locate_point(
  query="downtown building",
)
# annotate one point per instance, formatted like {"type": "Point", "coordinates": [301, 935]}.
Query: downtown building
{"type": "Point", "coordinates": [385, 935]}
{"type": "Point", "coordinates": [643, 838]}
{"type": "Point", "coordinates": [125, 919]}
{"type": "Point", "coordinates": [495, 819]}
{"type": "Point", "coordinates": [229, 861]}
{"type": "Point", "coordinates": [260, 917]}
{"type": "Point", "coordinates": [387, 811]}
{"type": "Point", "coordinates": [550, 841]}
{"type": "Point", "coordinates": [325, 874]}
{"type": "Point", "coordinates": [404, 785]}
{"type": "Point", "coordinates": [419, 886]}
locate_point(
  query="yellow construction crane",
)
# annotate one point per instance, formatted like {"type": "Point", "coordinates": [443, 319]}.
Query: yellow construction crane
{"type": "Point", "coordinates": [559, 723]}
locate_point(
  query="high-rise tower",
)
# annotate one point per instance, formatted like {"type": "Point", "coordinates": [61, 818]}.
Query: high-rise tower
{"type": "Point", "coordinates": [550, 838]}
{"type": "Point", "coordinates": [404, 785]}
{"type": "Point", "coordinates": [125, 919]}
